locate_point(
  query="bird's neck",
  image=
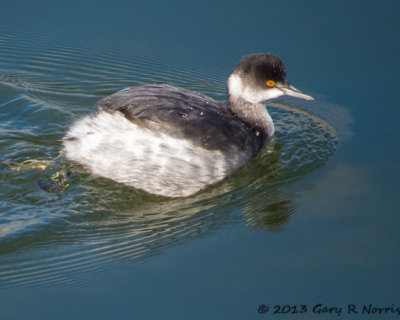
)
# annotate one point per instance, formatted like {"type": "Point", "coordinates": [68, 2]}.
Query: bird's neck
{"type": "Point", "coordinates": [253, 114]}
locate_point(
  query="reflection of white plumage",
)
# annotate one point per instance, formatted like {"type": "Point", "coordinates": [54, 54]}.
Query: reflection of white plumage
{"type": "Point", "coordinates": [173, 142]}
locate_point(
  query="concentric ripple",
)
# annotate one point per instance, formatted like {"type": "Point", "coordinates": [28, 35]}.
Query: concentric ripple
{"type": "Point", "coordinates": [48, 238]}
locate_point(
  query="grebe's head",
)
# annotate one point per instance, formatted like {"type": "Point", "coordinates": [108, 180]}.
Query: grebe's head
{"type": "Point", "coordinates": [260, 77]}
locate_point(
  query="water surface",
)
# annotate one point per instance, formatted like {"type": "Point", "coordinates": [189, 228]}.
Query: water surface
{"type": "Point", "coordinates": [311, 218]}
{"type": "Point", "coordinates": [91, 220]}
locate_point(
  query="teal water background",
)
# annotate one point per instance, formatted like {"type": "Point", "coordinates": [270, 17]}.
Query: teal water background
{"type": "Point", "coordinates": [313, 219]}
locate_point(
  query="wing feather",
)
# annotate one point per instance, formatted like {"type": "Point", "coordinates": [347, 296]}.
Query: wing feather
{"type": "Point", "coordinates": [184, 114]}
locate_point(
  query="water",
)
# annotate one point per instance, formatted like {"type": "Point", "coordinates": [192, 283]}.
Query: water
{"type": "Point", "coordinates": [310, 219]}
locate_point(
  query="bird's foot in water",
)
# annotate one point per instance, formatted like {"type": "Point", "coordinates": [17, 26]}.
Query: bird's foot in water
{"type": "Point", "coordinates": [54, 179]}
{"type": "Point", "coordinates": [55, 172]}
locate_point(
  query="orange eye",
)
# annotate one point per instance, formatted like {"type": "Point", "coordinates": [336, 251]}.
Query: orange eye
{"type": "Point", "coordinates": [270, 83]}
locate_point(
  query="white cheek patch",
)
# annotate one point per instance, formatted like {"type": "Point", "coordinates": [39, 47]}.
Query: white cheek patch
{"type": "Point", "coordinates": [238, 90]}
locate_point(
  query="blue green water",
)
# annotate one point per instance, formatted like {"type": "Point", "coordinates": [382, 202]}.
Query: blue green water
{"type": "Point", "coordinates": [312, 219]}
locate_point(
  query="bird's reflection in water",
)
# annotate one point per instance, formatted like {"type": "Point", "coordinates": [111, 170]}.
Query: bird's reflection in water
{"type": "Point", "coordinates": [254, 193]}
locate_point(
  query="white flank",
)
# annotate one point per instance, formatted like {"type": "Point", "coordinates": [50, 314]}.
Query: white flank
{"type": "Point", "coordinates": [109, 145]}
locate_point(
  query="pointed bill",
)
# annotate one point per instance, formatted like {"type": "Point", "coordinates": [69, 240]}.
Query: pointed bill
{"type": "Point", "coordinates": [289, 90]}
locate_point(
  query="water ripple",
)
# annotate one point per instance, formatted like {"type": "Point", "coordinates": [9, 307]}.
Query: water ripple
{"type": "Point", "coordinates": [46, 239]}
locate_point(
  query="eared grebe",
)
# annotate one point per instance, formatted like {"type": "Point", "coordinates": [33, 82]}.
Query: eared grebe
{"type": "Point", "coordinates": [174, 142]}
